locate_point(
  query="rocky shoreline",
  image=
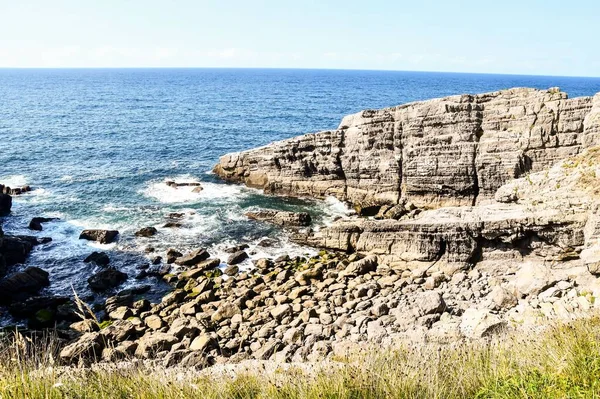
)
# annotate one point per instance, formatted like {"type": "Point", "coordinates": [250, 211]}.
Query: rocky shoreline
{"type": "Point", "coordinates": [478, 215]}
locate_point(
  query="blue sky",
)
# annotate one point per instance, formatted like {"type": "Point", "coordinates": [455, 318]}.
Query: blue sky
{"type": "Point", "coordinates": [517, 37]}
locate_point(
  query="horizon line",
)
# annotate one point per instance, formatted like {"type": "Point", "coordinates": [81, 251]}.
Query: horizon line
{"type": "Point", "coordinates": [293, 69]}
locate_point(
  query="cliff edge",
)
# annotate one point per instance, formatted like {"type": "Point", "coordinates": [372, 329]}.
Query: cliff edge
{"type": "Point", "coordinates": [450, 151]}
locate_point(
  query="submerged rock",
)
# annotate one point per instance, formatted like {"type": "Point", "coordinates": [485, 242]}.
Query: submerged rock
{"type": "Point", "coordinates": [99, 258]}
{"type": "Point", "coordinates": [146, 232]}
{"type": "Point", "coordinates": [106, 279]}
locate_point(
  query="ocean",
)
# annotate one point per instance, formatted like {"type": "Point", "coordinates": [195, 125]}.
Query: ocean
{"type": "Point", "coordinates": [98, 145]}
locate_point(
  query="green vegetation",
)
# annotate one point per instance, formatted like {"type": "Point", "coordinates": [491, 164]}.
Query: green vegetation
{"type": "Point", "coordinates": [563, 362]}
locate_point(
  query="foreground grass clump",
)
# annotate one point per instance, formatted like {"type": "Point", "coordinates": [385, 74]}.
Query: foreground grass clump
{"type": "Point", "coordinates": [563, 362]}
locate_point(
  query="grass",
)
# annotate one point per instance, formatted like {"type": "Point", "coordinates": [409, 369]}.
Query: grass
{"type": "Point", "coordinates": [562, 362]}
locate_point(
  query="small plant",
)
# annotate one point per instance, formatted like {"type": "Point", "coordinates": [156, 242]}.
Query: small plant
{"type": "Point", "coordinates": [104, 324]}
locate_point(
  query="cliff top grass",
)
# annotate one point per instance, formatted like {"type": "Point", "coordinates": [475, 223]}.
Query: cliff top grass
{"type": "Point", "coordinates": [562, 362]}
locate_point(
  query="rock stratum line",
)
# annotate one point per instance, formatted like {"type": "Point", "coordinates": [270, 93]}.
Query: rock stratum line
{"type": "Point", "coordinates": [450, 151]}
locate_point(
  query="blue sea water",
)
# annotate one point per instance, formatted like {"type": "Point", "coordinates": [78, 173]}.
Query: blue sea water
{"type": "Point", "coordinates": [98, 144]}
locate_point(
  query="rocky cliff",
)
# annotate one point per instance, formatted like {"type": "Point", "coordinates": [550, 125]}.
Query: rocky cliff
{"type": "Point", "coordinates": [450, 151]}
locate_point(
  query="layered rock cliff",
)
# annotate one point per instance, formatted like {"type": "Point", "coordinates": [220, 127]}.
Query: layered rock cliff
{"type": "Point", "coordinates": [450, 151]}
{"type": "Point", "coordinates": [550, 216]}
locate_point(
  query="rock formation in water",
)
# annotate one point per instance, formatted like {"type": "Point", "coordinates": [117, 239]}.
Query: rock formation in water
{"type": "Point", "coordinates": [456, 150]}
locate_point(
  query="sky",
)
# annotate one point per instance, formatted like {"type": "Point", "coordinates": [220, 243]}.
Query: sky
{"type": "Point", "coordinates": [504, 36]}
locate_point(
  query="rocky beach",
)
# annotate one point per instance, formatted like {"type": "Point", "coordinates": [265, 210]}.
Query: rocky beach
{"type": "Point", "coordinates": [476, 216]}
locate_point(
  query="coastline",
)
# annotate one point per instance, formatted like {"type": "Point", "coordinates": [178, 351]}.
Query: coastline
{"type": "Point", "coordinates": [414, 268]}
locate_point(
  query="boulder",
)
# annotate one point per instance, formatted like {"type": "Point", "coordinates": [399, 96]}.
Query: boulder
{"type": "Point", "coordinates": [237, 257]}
{"type": "Point", "coordinates": [225, 311]}
{"type": "Point", "coordinates": [5, 204]}
{"type": "Point", "coordinates": [15, 249]}
{"type": "Point", "coordinates": [101, 236]}
{"type": "Point", "coordinates": [281, 218]}
{"type": "Point", "coordinates": [30, 306]}
{"type": "Point", "coordinates": [429, 302]}
{"type": "Point", "coordinates": [362, 266]}
{"type": "Point", "coordinates": [480, 323]}
{"type": "Point", "coordinates": [200, 269]}
{"type": "Point", "coordinates": [36, 223]}
{"type": "Point", "coordinates": [193, 257]}
{"type": "Point", "coordinates": [502, 298]}
{"type": "Point", "coordinates": [22, 284]}
{"type": "Point", "coordinates": [146, 232]}
{"type": "Point", "coordinates": [281, 311]}
{"type": "Point", "coordinates": [106, 279]}
{"type": "Point", "coordinates": [152, 343]}
{"type": "Point", "coordinates": [263, 264]}
{"type": "Point", "coordinates": [99, 258]}
{"type": "Point", "coordinates": [172, 255]}
{"type": "Point", "coordinates": [119, 331]}
{"type": "Point", "coordinates": [232, 270]}
{"type": "Point", "coordinates": [89, 346]}
{"type": "Point", "coordinates": [195, 359]}
{"type": "Point", "coordinates": [532, 278]}
{"type": "Point", "coordinates": [204, 343]}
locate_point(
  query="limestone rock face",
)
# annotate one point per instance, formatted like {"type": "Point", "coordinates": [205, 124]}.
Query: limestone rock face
{"type": "Point", "coordinates": [450, 151]}
{"type": "Point", "coordinates": [553, 215]}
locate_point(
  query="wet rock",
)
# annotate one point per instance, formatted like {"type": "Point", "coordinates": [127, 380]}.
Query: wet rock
{"type": "Point", "coordinates": [15, 249]}
{"type": "Point", "coordinates": [237, 248]}
{"type": "Point", "coordinates": [237, 257]}
{"type": "Point", "coordinates": [146, 232]}
{"type": "Point", "coordinates": [14, 191]}
{"type": "Point", "coordinates": [30, 306]}
{"type": "Point", "coordinates": [175, 184]}
{"type": "Point", "coordinates": [106, 279]}
{"type": "Point", "coordinates": [172, 225]}
{"type": "Point", "coordinates": [22, 284]}
{"type": "Point", "coordinates": [232, 270]}
{"type": "Point", "coordinates": [200, 269]}
{"type": "Point", "coordinates": [5, 204]}
{"type": "Point", "coordinates": [173, 254]}
{"type": "Point", "coordinates": [267, 242]}
{"type": "Point", "coordinates": [193, 257]}
{"type": "Point", "coordinates": [100, 236]}
{"type": "Point", "coordinates": [36, 223]}
{"type": "Point", "coordinates": [99, 258]}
